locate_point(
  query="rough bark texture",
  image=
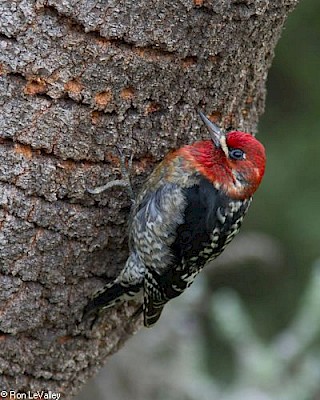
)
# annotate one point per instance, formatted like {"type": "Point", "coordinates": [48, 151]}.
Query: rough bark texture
{"type": "Point", "coordinates": [76, 78]}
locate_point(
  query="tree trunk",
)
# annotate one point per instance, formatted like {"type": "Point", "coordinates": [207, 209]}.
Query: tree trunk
{"type": "Point", "coordinates": [77, 78]}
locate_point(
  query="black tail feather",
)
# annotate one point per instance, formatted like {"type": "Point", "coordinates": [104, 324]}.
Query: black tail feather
{"type": "Point", "coordinates": [151, 311]}
{"type": "Point", "coordinates": [112, 295]}
{"type": "Point", "coordinates": [105, 299]}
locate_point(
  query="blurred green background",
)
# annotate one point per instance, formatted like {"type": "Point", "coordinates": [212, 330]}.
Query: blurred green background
{"type": "Point", "coordinates": [250, 327]}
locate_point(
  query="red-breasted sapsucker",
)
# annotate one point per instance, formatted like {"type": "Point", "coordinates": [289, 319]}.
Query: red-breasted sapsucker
{"type": "Point", "coordinates": [189, 209]}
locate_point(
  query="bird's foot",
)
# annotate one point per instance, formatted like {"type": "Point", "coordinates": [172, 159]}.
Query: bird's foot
{"type": "Point", "coordinates": [124, 182]}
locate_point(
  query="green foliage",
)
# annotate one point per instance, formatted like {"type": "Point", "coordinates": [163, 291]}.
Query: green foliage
{"type": "Point", "coordinates": [287, 367]}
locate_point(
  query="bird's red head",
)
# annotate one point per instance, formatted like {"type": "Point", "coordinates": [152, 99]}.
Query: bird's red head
{"type": "Point", "coordinates": [234, 162]}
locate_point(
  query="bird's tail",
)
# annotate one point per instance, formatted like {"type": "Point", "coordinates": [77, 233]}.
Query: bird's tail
{"type": "Point", "coordinates": [110, 295]}
{"type": "Point", "coordinates": [127, 285]}
{"type": "Point", "coordinates": [151, 311]}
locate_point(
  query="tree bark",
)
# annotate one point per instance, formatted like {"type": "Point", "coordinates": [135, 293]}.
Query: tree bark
{"type": "Point", "coordinates": [77, 78]}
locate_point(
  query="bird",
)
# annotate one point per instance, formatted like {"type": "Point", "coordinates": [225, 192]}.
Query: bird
{"type": "Point", "coordinates": [188, 210]}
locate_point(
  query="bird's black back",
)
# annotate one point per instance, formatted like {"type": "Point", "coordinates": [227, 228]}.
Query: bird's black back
{"type": "Point", "coordinates": [199, 220]}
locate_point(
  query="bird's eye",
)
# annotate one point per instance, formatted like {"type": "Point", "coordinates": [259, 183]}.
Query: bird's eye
{"type": "Point", "coordinates": [237, 154]}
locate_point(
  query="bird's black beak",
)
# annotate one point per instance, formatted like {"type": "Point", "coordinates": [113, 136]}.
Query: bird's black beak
{"type": "Point", "coordinates": [216, 133]}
